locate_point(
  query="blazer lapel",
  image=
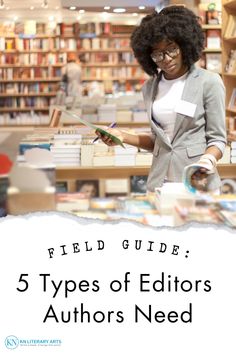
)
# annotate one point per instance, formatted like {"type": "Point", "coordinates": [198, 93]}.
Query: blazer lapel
{"type": "Point", "coordinates": [189, 93]}
{"type": "Point", "coordinates": [158, 129]}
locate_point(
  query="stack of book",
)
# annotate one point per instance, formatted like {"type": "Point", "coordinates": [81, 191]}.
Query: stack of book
{"type": "Point", "coordinates": [231, 62]}
{"type": "Point", "coordinates": [123, 116]}
{"type": "Point", "coordinates": [213, 39]}
{"type": "Point", "coordinates": [233, 152]}
{"type": "Point", "coordinates": [225, 207]}
{"type": "Point", "coordinates": [139, 112]}
{"type": "Point", "coordinates": [66, 149]}
{"type": "Point", "coordinates": [107, 113]}
{"type": "Point", "coordinates": [213, 62]}
{"type": "Point", "coordinates": [34, 141]}
{"type": "Point", "coordinates": [216, 209]}
{"type": "Point", "coordinates": [125, 157]}
{"type": "Point", "coordinates": [143, 158]}
{"type": "Point", "coordinates": [104, 159]}
{"type": "Point", "coordinates": [135, 209]}
{"type": "Point", "coordinates": [225, 159]}
{"type": "Point", "coordinates": [71, 202]}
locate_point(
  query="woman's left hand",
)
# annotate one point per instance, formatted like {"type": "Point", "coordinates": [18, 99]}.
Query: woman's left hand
{"type": "Point", "coordinates": [199, 177]}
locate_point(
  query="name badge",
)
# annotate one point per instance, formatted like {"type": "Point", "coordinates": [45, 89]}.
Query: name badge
{"type": "Point", "coordinates": [186, 108]}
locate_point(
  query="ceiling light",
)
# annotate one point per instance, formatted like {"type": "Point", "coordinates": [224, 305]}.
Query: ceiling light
{"type": "Point", "coordinates": [72, 8]}
{"type": "Point", "coordinates": [8, 8]}
{"type": "Point", "coordinates": [15, 18]}
{"type": "Point", "coordinates": [134, 14]}
{"type": "Point", "coordinates": [51, 18]}
{"type": "Point", "coordinates": [105, 15]}
{"type": "Point", "coordinates": [142, 7]}
{"type": "Point", "coordinates": [31, 7]}
{"type": "Point", "coordinates": [57, 8]}
{"type": "Point", "coordinates": [119, 10]}
{"type": "Point", "coordinates": [107, 7]}
{"type": "Point", "coordinates": [81, 11]}
{"type": "Point", "coordinates": [2, 5]}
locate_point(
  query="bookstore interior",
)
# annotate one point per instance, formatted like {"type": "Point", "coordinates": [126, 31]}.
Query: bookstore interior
{"type": "Point", "coordinates": [50, 156]}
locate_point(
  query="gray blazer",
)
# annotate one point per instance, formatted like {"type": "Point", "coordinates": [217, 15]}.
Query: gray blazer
{"type": "Point", "coordinates": [191, 135]}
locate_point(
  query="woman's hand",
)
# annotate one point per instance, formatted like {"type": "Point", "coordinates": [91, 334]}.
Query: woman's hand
{"type": "Point", "coordinates": [208, 166]}
{"type": "Point", "coordinates": [107, 140]}
{"type": "Point", "coordinates": [199, 179]}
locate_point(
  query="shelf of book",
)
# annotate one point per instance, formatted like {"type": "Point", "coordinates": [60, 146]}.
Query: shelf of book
{"type": "Point", "coordinates": [119, 124]}
{"type": "Point", "coordinates": [210, 19]}
{"type": "Point", "coordinates": [208, 26]}
{"type": "Point", "coordinates": [233, 75]}
{"type": "Point", "coordinates": [212, 50]}
{"type": "Point", "coordinates": [101, 65]}
{"type": "Point", "coordinates": [115, 78]}
{"type": "Point", "coordinates": [230, 40]}
{"type": "Point", "coordinates": [46, 94]}
{"type": "Point", "coordinates": [107, 50]}
{"type": "Point", "coordinates": [67, 173]}
{"type": "Point", "coordinates": [50, 79]}
{"type": "Point", "coordinates": [230, 110]}
{"type": "Point", "coordinates": [39, 58]}
{"type": "Point", "coordinates": [107, 59]}
{"type": "Point", "coordinates": [24, 109]}
{"type": "Point", "coordinates": [229, 61]}
{"type": "Point", "coordinates": [5, 66]}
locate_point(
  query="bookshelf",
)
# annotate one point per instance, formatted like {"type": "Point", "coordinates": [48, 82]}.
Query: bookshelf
{"type": "Point", "coordinates": [108, 59]}
{"type": "Point", "coordinates": [30, 66]}
{"type": "Point", "coordinates": [211, 59]}
{"type": "Point", "coordinates": [225, 171]}
{"type": "Point", "coordinates": [71, 174]}
{"type": "Point", "coordinates": [29, 73]}
{"type": "Point", "coordinates": [229, 66]}
{"type": "Point", "coordinates": [210, 19]}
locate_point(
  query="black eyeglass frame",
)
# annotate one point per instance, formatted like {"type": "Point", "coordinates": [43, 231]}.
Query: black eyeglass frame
{"type": "Point", "coordinates": [171, 52]}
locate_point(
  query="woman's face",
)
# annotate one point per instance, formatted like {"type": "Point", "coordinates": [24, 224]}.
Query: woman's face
{"type": "Point", "coordinates": [168, 57]}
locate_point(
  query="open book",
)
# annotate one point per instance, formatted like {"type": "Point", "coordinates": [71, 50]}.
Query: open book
{"type": "Point", "coordinates": [202, 184]}
{"type": "Point", "coordinates": [114, 138]}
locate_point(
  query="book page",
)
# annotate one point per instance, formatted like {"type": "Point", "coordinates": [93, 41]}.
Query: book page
{"type": "Point", "coordinates": [114, 138]}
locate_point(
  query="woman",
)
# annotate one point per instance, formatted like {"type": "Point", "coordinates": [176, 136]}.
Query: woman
{"type": "Point", "coordinates": [185, 104]}
{"type": "Point", "coordinates": [71, 75]}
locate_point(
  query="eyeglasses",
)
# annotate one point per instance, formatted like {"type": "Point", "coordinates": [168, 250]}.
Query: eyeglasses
{"type": "Point", "coordinates": [159, 56]}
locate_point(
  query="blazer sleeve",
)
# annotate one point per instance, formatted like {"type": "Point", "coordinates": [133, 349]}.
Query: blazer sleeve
{"type": "Point", "coordinates": [214, 104]}
{"type": "Point", "coordinates": [146, 91]}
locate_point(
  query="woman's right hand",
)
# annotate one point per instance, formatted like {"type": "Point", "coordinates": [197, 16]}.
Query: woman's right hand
{"type": "Point", "coordinates": [114, 131]}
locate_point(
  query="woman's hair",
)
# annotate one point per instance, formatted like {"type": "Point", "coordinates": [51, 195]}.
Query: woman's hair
{"type": "Point", "coordinates": [174, 23]}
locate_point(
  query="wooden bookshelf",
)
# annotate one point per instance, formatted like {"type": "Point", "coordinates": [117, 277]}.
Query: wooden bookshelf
{"type": "Point", "coordinates": [211, 25]}
{"type": "Point", "coordinates": [48, 94]}
{"type": "Point", "coordinates": [38, 59]}
{"type": "Point", "coordinates": [107, 50]}
{"type": "Point", "coordinates": [73, 173]}
{"type": "Point", "coordinates": [207, 26]}
{"type": "Point", "coordinates": [212, 50]}
{"type": "Point", "coordinates": [114, 78]}
{"type": "Point", "coordinates": [130, 124]}
{"type": "Point", "coordinates": [24, 109]}
{"type": "Point", "coordinates": [230, 5]}
{"type": "Point", "coordinates": [229, 78]}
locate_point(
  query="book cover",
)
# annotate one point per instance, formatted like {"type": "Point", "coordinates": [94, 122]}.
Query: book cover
{"type": "Point", "coordinates": [114, 138]}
